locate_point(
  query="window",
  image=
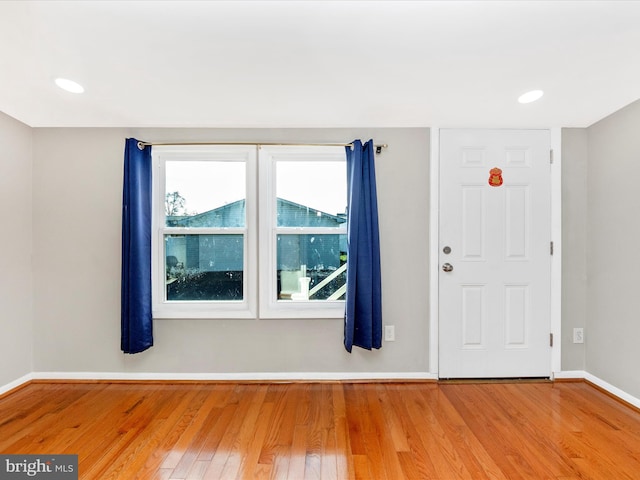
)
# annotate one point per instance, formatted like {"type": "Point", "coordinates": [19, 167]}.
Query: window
{"type": "Point", "coordinates": [208, 236]}
{"type": "Point", "coordinates": [204, 231]}
{"type": "Point", "coordinates": [303, 231]}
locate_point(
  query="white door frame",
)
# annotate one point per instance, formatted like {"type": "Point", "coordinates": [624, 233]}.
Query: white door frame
{"type": "Point", "coordinates": [556, 259]}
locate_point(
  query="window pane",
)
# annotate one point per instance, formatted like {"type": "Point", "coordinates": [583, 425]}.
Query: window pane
{"type": "Point", "coordinates": [204, 267]}
{"type": "Point", "coordinates": [311, 267]}
{"type": "Point", "coordinates": [205, 194]}
{"type": "Point", "coordinates": [311, 193]}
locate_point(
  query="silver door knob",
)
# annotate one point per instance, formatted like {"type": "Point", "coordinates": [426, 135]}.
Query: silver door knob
{"type": "Point", "coordinates": [447, 267]}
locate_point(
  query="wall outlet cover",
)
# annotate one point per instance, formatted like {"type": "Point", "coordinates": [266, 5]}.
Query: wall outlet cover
{"type": "Point", "coordinates": [578, 335]}
{"type": "Point", "coordinates": [389, 333]}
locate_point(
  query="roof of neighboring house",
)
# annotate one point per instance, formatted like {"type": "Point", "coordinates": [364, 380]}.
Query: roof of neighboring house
{"type": "Point", "coordinates": [290, 214]}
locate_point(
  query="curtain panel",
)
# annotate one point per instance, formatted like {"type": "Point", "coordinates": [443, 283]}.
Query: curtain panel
{"type": "Point", "coordinates": [136, 317]}
{"type": "Point", "coordinates": [363, 306]}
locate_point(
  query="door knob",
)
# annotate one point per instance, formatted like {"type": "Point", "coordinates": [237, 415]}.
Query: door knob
{"type": "Point", "coordinates": [447, 267]}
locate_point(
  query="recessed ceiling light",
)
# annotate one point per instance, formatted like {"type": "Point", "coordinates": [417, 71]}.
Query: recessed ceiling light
{"type": "Point", "coordinates": [531, 96]}
{"type": "Point", "coordinates": [69, 85]}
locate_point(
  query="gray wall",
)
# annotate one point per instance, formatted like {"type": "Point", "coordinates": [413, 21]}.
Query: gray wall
{"type": "Point", "coordinates": [16, 282]}
{"type": "Point", "coordinates": [77, 222]}
{"type": "Point", "coordinates": [63, 187]}
{"type": "Point", "coordinates": [613, 250]}
{"type": "Point", "coordinates": [574, 240]}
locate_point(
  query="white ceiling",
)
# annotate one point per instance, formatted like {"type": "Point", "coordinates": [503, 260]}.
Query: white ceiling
{"type": "Point", "coordinates": [318, 64]}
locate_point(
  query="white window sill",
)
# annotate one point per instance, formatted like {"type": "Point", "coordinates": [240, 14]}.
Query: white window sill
{"type": "Point", "coordinates": [204, 311]}
{"type": "Point", "coordinates": [312, 309]}
{"type": "Point", "coordinates": [283, 310]}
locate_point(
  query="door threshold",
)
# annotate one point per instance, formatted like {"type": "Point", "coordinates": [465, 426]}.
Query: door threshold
{"type": "Point", "coordinates": [451, 381]}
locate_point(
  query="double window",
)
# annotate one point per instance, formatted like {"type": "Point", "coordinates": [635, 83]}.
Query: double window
{"type": "Point", "coordinates": [238, 229]}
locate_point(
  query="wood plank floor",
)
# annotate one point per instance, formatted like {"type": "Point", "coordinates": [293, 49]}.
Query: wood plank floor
{"type": "Point", "coordinates": [327, 431]}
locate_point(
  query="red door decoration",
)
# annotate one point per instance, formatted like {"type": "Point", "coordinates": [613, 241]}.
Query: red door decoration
{"type": "Point", "coordinates": [495, 177]}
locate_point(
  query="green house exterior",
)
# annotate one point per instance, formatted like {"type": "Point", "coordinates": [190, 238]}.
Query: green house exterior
{"type": "Point", "coordinates": [220, 256]}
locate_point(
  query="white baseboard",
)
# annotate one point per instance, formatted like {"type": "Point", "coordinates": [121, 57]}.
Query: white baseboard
{"type": "Point", "coordinates": [570, 374]}
{"type": "Point", "coordinates": [16, 383]}
{"type": "Point", "coordinates": [615, 391]}
{"type": "Point", "coordinates": [253, 376]}
{"type": "Point", "coordinates": [289, 376]}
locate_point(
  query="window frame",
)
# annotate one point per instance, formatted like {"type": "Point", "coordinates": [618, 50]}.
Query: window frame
{"type": "Point", "coordinates": [259, 262]}
{"type": "Point", "coordinates": [270, 306]}
{"type": "Point", "coordinates": [245, 308]}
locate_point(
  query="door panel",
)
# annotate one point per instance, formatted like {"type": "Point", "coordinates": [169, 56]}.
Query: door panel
{"type": "Point", "coordinates": [473, 316]}
{"type": "Point", "coordinates": [473, 222]}
{"type": "Point", "coordinates": [494, 318]}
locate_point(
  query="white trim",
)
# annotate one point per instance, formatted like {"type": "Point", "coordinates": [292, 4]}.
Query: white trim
{"type": "Point", "coordinates": [570, 374]}
{"type": "Point", "coordinates": [434, 234]}
{"type": "Point", "coordinates": [556, 259]}
{"type": "Point", "coordinates": [283, 376]}
{"type": "Point", "coordinates": [615, 391]}
{"type": "Point", "coordinates": [269, 305]}
{"type": "Point", "coordinates": [246, 308]}
{"type": "Point", "coordinates": [16, 383]}
{"type": "Point", "coordinates": [621, 394]}
{"type": "Point", "coordinates": [250, 376]}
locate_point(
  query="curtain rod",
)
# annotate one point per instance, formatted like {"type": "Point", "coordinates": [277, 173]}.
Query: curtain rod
{"type": "Point", "coordinates": [141, 145]}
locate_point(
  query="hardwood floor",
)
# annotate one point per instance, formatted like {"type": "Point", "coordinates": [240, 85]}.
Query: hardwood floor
{"type": "Point", "coordinates": [327, 430]}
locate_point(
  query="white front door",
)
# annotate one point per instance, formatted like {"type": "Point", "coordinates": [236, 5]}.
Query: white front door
{"type": "Point", "coordinates": [494, 254]}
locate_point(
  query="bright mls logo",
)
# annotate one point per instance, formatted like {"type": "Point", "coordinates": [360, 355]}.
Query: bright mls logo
{"type": "Point", "coordinates": [50, 467]}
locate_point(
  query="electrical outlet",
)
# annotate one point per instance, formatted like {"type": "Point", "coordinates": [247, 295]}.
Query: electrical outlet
{"type": "Point", "coordinates": [578, 335]}
{"type": "Point", "coordinates": [389, 333]}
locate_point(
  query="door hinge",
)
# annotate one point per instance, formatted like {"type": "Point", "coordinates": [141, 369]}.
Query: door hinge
{"type": "Point", "coordinates": [551, 339]}
{"type": "Point", "coordinates": [550, 248]}
{"type": "Point", "coordinates": [551, 157]}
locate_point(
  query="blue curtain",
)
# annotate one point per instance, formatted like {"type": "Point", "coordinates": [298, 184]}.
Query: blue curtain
{"type": "Point", "coordinates": [363, 310]}
{"type": "Point", "coordinates": [137, 324]}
